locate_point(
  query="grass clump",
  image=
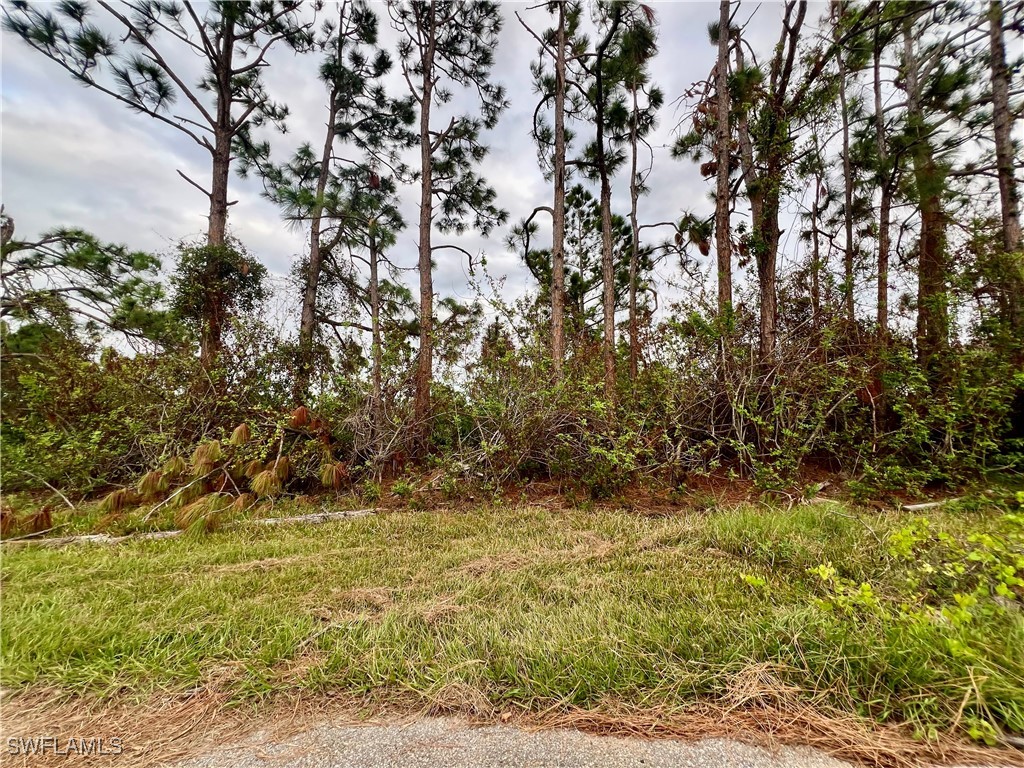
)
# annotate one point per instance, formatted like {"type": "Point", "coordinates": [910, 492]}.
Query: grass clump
{"type": "Point", "coordinates": [538, 608]}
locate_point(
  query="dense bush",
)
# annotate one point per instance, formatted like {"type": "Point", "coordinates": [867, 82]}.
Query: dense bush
{"type": "Point", "coordinates": [81, 417]}
{"type": "Point", "coordinates": [863, 409]}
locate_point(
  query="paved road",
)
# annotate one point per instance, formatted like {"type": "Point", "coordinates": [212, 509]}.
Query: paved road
{"type": "Point", "coordinates": [450, 743]}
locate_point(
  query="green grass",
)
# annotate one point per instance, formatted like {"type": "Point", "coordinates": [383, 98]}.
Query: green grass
{"type": "Point", "coordinates": [527, 606]}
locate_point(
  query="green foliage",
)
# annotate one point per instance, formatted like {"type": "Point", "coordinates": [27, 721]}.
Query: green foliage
{"type": "Point", "coordinates": [983, 571]}
{"type": "Point", "coordinates": [82, 419]}
{"type": "Point", "coordinates": [955, 590]}
{"type": "Point", "coordinates": [582, 245]}
{"type": "Point", "coordinates": [213, 282]}
{"type": "Point", "coordinates": [455, 38]}
{"type": "Point", "coordinates": [69, 284]}
{"type": "Point", "coordinates": [79, 424]}
{"type": "Point", "coordinates": [403, 489]}
{"type": "Point", "coordinates": [371, 491]}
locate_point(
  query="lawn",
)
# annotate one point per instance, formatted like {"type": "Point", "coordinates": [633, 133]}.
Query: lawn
{"type": "Point", "coordinates": [853, 611]}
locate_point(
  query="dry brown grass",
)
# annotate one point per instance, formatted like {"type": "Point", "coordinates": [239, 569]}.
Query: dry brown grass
{"type": "Point", "coordinates": [162, 730]}
{"type": "Point", "coordinates": [341, 606]}
{"type": "Point", "coordinates": [378, 598]}
{"type": "Point", "coordinates": [591, 546]}
{"type": "Point", "coordinates": [444, 607]}
{"type": "Point", "coordinates": [506, 561]}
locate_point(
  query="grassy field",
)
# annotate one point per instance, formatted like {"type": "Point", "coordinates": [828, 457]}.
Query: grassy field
{"type": "Point", "coordinates": [883, 616]}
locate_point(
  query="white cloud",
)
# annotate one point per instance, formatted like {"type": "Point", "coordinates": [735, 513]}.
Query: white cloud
{"type": "Point", "coordinates": [73, 156]}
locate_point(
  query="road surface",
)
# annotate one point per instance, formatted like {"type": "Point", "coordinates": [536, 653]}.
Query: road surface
{"type": "Point", "coordinates": [451, 743]}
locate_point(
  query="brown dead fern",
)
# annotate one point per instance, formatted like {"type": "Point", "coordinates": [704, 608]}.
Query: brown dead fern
{"type": "Point", "coordinates": [174, 467]}
{"type": "Point", "coordinates": [41, 520]}
{"type": "Point", "coordinates": [114, 503]}
{"type": "Point", "coordinates": [153, 484]}
{"type": "Point", "coordinates": [205, 513]}
{"type": "Point", "coordinates": [300, 417]}
{"type": "Point", "coordinates": [241, 435]}
{"type": "Point", "coordinates": [266, 483]}
{"type": "Point", "coordinates": [333, 474]}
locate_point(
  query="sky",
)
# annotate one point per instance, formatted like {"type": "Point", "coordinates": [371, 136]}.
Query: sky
{"type": "Point", "coordinates": [72, 156]}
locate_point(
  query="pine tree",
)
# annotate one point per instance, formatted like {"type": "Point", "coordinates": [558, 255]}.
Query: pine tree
{"type": "Point", "coordinates": [584, 279]}
{"type": "Point", "coordinates": [775, 101]}
{"type": "Point", "coordinates": [363, 236]}
{"type": "Point", "coordinates": [723, 159]}
{"type": "Point", "coordinates": [929, 176]}
{"type": "Point", "coordinates": [1002, 125]}
{"type": "Point", "coordinates": [1009, 195]}
{"type": "Point", "coordinates": [563, 44]}
{"type": "Point", "coordinates": [70, 282]}
{"type": "Point", "coordinates": [710, 134]}
{"type": "Point", "coordinates": [365, 130]}
{"type": "Point", "coordinates": [443, 44]}
{"type": "Point", "coordinates": [634, 123]}
{"type": "Point", "coordinates": [136, 67]}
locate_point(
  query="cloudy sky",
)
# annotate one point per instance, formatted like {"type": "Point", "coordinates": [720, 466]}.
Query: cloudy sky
{"type": "Point", "coordinates": [72, 156]}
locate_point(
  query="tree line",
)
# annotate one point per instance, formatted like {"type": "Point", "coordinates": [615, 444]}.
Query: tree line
{"type": "Point", "coordinates": [886, 126]}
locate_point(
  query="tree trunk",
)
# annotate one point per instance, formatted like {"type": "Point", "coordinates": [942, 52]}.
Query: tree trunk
{"type": "Point", "coordinates": [307, 322]}
{"type": "Point", "coordinates": [932, 309]}
{"type": "Point", "coordinates": [816, 258]}
{"type": "Point", "coordinates": [425, 362]}
{"type": "Point", "coordinates": [558, 207]}
{"type": "Point", "coordinates": [608, 296]}
{"type": "Point", "coordinates": [376, 407]}
{"type": "Point", "coordinates": [1003, 125]}
{"type": "Point", "coordinates": [210, 338]}
{"type": "Point", "coordinates": [216, 234]}
{"type": "Point", "coordinates": [634, 255]}
{"type": "Point", "coordinates": [884, 209]}
{"type": "Point", "coordinates": [723, 136]}
{"type": "Point", "coordinates": [607, 255]}
{"type": "Point", "coordinates": [767, 229]}
{"type": "Point", "coordinates": [1009, 199]}
{"type": "Point", "coordinates": [223, 133]}
{"type": "Point", "coordinates": [763, 194]}
{"type": "Point", "coordinates": [885, 204]}
{"type": "Point", "coordinates": [848, 276]}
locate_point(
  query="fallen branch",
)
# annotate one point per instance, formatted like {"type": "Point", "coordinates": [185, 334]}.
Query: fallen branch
{"type": "Point", "coordinates": [929, 504]}
{"type": "Point", "coordinates": [93, 538]}
{"type": "Point", "coordinates": [37, 534]}
{"type": "Point", "coordinates": [316, 518]}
